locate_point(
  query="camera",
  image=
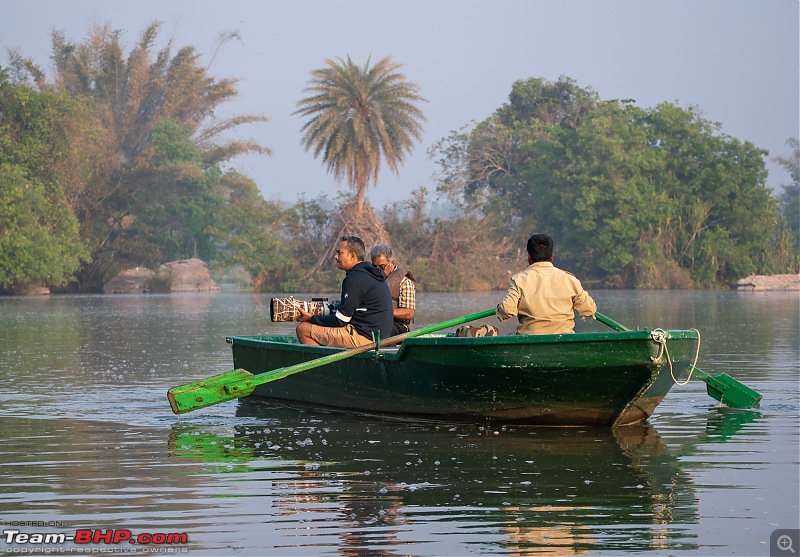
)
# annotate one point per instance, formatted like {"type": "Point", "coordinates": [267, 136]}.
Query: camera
{"type": "Point", "coordinates": [286, 309]}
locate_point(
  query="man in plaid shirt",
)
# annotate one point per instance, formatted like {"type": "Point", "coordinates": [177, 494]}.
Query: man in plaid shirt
{"type": "Point", "coordinates": [401, 285]}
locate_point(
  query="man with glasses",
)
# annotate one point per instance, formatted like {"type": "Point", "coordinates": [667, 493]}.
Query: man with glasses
{"type": "Point", "coordinates": [401, 285]}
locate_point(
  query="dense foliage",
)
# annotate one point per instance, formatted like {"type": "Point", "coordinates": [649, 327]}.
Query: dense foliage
{"type": "Point", "coordinates": [118, 161]}
{"type": "Point", "coordinates": [154, 185]}
{"type": "Point", "coordinates": [640, 198]}
{"type": "Point", "coordinates": [39, 239]}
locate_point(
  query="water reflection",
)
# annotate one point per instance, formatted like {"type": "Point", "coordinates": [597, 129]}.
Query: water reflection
{"type": "Point", "coordinates": [87, 438]}
{"type": "Point", "coordinates": [724, 423]}
{"type": "Point", "coordinates": [381, 484]}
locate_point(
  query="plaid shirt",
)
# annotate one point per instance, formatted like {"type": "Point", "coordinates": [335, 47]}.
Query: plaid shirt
{"type": "Point", "coordinates": [407, 298]}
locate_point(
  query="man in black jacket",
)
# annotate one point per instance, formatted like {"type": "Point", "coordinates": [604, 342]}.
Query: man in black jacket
{"type": "Point", "coordinates": [366, 305]}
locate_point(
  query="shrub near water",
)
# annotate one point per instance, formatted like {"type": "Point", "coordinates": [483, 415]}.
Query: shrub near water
{"type": "Point", "coordinates": [160, 283]}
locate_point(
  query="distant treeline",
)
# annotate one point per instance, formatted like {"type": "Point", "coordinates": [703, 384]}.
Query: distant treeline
{"type": "Point", "coordinates": [116, 162]}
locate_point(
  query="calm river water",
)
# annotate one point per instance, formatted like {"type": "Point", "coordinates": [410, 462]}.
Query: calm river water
{"type": "Point", "coordinates": [88, 443]}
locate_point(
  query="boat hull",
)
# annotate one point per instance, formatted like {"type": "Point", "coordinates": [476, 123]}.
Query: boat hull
{"type": "Point", "coordinates": [579, 379]}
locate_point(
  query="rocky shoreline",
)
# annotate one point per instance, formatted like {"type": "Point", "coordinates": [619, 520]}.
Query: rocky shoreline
{"type": "Point", "coordinates": [191, 275]}
{"type": "Point", "coordinates": [186, 275]}
{"type": "Point", "coordinates": [772, 282]}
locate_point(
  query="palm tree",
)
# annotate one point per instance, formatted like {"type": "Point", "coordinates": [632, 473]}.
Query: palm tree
{"type": "Point", "coordinates": [358, 115]}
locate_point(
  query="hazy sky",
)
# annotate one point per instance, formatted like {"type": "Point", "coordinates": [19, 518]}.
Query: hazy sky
{"type": "Point", "coordinates": [737, 60]}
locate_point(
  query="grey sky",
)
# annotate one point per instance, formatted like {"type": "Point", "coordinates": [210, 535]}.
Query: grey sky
{"type": "Point", "coordinates": [737, 60]}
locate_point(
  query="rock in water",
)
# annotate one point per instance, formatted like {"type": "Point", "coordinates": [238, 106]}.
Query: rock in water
{"type": "Point", "coordinates": [773, 282]}
{"type": "Point", "coordinates": [189, 275]}
{"type": "Point", "coordinates": [129, 281]}
{"type": "Point", "coordinates": [186, 275]}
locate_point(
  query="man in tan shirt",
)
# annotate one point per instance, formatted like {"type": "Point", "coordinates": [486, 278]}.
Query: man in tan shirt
{"type": "Point", "coordinates": [542, 296]}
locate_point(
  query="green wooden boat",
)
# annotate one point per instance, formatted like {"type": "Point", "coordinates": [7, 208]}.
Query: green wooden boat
{"type": "Point", "coordinates": [597, 378]}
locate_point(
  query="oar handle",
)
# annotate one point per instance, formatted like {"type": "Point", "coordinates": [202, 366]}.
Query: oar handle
{"type": "Point", "coordinates": [239, 382]}
{"type": "Point", "coordinates": [280, 373]}
{"type": "Point", "coordinates": [610, 322]}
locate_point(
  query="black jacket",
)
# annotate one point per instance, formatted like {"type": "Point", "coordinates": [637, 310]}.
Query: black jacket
{"type": "Point", "coordinates": [366, 303]}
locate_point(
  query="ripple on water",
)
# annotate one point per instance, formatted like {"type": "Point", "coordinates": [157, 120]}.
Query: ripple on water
{"type": "Point", "coordinates": [87, 437]}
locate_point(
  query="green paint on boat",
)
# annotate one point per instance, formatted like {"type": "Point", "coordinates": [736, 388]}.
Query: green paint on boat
{"type": "Point", "coordinates": [575, 379]}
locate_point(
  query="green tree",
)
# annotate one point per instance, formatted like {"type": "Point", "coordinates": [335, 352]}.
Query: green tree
{"type": "Point", "coordinates": [485, 165]}
{"type": "Point", "coordinates": [723, 219]}
{"type": "Point", "coordinates": [657, 198]}
{"type": "Point", "coordinates": [592, 190]}
{"type": "Point", "coordinates": [136, 100]}
{"type": "Point", "coordinates": [174, 212]}
{"type": "Point", "coordinates": [39, 241]}
{"type": "Point", "coordinates": [652, 198]}
{"type": "Point", "coordinates": [358, 115]}
{"type": "Point", "coordinates": [250, 232]}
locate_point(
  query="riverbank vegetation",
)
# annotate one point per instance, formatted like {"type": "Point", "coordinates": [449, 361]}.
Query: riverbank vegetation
{"type": "Point", "coordinates": [117, 161]}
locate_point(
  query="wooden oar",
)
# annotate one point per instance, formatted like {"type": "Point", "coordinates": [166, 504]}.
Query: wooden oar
{"type": "Point", "coordinates": [720, 386]}
{"type": "Point", "coordinates": [240, 382]}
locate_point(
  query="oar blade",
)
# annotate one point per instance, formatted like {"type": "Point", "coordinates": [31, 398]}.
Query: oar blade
{"type": "Point", "coordinates": [721, 386]}
{"type": "Point", "coordinates": [207, 392]}
{"type": "Point", "coordinates": [731, 392]}
{"type": "Point", "coordinates": [239, 382]}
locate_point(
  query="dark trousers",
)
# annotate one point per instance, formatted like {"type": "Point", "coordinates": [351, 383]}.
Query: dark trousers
{"type": "Point", "coordinates": [400, 327]}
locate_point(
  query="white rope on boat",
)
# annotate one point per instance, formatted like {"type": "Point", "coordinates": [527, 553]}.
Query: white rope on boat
{"type": "Point", "coordinates": [660, 336]}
